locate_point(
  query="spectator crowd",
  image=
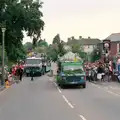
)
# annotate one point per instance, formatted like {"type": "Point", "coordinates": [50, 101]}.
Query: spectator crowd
{"type": "Point", "coordinates": [100, 71]}
{"type": "Point", "coordinates": [13, 74]}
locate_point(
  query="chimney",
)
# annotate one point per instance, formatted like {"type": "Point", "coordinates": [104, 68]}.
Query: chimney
{"type": "Point", "coordinates": [69, 39]}
{"type": "Point", "coordinates": [89, 37]}
{"type": "Point", "coordinates": [80, 37]}
{"type": "Point", "coordinates": [73, 38]}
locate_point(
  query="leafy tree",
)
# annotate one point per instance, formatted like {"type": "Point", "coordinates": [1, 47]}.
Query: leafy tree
{"type": "Point", "coordinates": [82, 54]}
{"type": "Point", "coordinates": [56, 39]}
{"type": "Point", "coordinates": [61, 50]}
{"type": "Point", "coordinates": [17, 52]}
{"type": "Point", "coordinates": [42, 43]}
{"type": "Point", "coordinates": [95, 55]}
{"type": "Point", "coordinates": [40, 50]}
{"type": "Point", "coordinates": [19, 16]}
{"type": "Point", "coordinates": [57, 48]}
{"type": "Point", "coordinates": [75, 48]}
{"type": "Point", "coordinates": [52, 53]}
{"type": "Point", "coordinates": [41, 47]}
{"type": "Point", "coordinates": [28, 46]}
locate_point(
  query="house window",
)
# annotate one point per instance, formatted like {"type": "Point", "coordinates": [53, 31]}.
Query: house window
{"type": "Point", "coordinates": [118, 49]}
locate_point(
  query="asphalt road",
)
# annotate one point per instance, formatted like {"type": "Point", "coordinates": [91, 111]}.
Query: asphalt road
{"type": "Point", "coordinates": [42, 99]}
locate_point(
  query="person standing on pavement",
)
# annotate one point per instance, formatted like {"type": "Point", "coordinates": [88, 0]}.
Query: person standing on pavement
{"type": "Point", "coordinates": [110, 72]}
{"type": "Point", "coordinates": [17, 74]}
{"type": "Point", "coordinates": [100, 72]}
{"type": "Point", "coordinates": [89, 74]}
{"type": "Point", "coordinates": [13, 72]}
{"type": "Point", "coordinates": [53, 68]}
{"type": "Point", "coordinates": [20, 73]}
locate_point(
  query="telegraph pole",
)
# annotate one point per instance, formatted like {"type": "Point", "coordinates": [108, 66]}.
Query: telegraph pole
{"type": "Point", "coordinates": [3, 55]}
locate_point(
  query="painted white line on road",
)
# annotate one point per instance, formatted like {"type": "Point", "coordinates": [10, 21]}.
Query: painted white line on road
{"type": "Point", "coordinates": [55, 84]}
{"type": "Point", "coordinates": [113, 93]}
{"type": "Point", "coordinates": [59, 89]}
{"type": "Point", "coordinates": [114, 88]}
{"type": "Point", "coordinates": [51, 80]}
{"type": "Point", "coordinates": [82, 117]}
{"type": "Point", "coordinates": [106, 89]}
{"type": "Point", "coordinates": [95, 85]}
{"type": "Point", "coordinates": [3, 91]}
{"type": "Point", "coordinates": [67, 101]}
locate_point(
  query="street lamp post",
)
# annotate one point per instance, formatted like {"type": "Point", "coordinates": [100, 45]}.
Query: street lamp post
{"type": "Point", "coordinates": [3, 56]}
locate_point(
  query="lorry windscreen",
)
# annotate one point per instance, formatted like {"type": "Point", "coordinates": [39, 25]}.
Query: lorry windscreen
{"type": "Point", "coordinates": [73, 69]}
{"type": "Point", "coordinates": [33, 61]}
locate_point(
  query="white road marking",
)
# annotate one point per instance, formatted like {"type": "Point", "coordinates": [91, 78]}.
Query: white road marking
{"type": "Point", "coordinates": [82, 117]}
{"type": "Point", "coordinates": [51, 80]}
{"type": "Point", "coordinates": [98, 87]}
{"type": "Point", "coordinates": [113, 93]}
{"type": "Point", "coordinates": [55, 84]}
{"type": "Point", "coordinates": [67, 101]}
{"type": "Point", "coordinates": [59, 90]}
{"type": "Point", "coordinates": [95, 85]}
{"type": "Point", "coordinates": [57, 87]}
{"type": "Point", "coordinates": [106, 89]}
{"type": "Point", "coordinates": [3, 91]}
{"type": "Point", "coordinates": [114, 88]}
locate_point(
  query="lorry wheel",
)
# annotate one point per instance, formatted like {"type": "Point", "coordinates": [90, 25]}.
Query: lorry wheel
{"type": "Point", "coordinates": [40, 74]}
{"type": "Point", "coordinates": [84, 85]}
{"type": "Point", "coordinates": [59, 84]}
{"type": "Point", "coordinates": [62, 86]}
{"type": "Point", "coordinates": [43, 72]}
{"type": "Point", "coordinates": [27, 74]}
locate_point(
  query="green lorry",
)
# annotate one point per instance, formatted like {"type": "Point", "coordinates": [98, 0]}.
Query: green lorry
{"type": "Point", "coordinates": [71, 73]}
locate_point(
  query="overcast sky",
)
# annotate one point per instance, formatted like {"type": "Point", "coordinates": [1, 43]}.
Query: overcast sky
{"type": "Point", "coordinates": [94, 18]}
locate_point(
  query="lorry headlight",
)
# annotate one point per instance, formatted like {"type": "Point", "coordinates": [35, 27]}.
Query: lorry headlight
{"type": "Point", "coordinates": [82, 78]}
{"type": "Point", "coordinates": [27, 71]}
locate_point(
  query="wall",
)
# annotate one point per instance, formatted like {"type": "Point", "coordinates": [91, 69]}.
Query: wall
{"type": "Point", "coordinates": [89, 48]}
{"type": "Point", "coordinates": [113, 50]}
{"type": "Point", "coordinates": [67, 47]}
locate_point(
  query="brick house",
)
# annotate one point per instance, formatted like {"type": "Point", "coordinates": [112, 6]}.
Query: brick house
{"type": "Point", "coordinates": [115, 44]}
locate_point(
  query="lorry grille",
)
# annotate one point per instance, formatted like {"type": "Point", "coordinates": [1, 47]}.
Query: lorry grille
{"type": "Point", "coordinates": [73, 79]}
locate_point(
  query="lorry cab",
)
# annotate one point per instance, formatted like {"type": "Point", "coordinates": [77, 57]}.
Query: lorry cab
{"type": "Point", "coordinates": [33, 63]}
{"type": "Point", "coordinates": [71, 73]}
